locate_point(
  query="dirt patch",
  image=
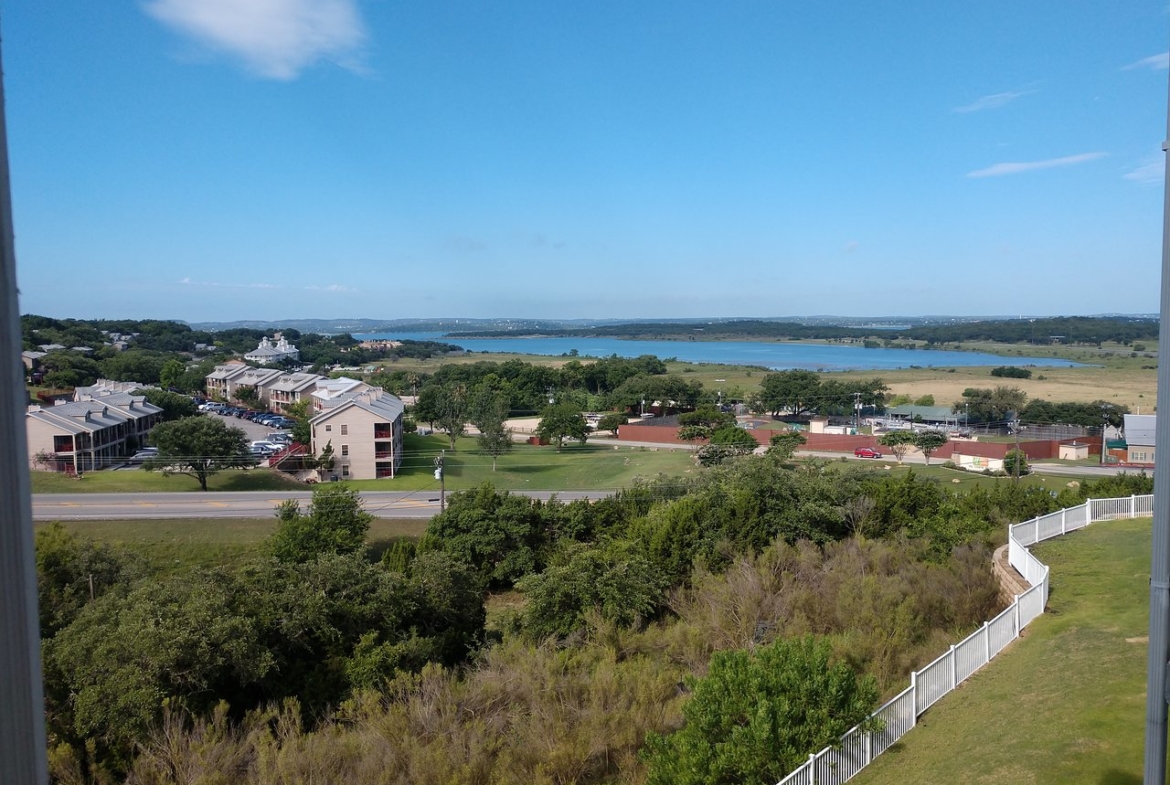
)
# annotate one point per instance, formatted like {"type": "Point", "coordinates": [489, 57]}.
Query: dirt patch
{"type": "Point", "coordinates": [1140, 639]}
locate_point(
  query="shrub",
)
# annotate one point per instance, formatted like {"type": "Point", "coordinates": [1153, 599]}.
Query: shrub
{"type": "Point", "coordinates": [757, 715]}
{"type": "Point", "coordinates": [1011, 372]}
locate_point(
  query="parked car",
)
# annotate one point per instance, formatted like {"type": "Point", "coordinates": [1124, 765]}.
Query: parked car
{"type": "Point", "coordinates": [866, 452]}
{"type": "Point", "coordinates": [145, 454]}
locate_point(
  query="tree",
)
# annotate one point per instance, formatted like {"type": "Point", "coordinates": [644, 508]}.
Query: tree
{"type": "Point", "coordinates": [452, 411]}
{"type": "Point", "coordinates": [199, 447]}
{"type": "Point", "coordinates": [174, 406]}
{"type": "Point", "coordinates": [611, 422]}
{"type": "Point", "coordinates": [171, 374]}
{"type": "Point", "coordinates": [795, 391]}
{"type": "Point", "coordinates": [247, 394]}
{"type": "Point", "coordinates": [929, 441]}
{"type": "Point", "coordinates": [300, 414]}
{"type": "Point", "coordinates": [991, 405]}
{"type": "Point", "coordinates": [707, 416]}
{"type": "Point", "coordinates": [727, 442]}
{"type": "Point", "coordinates": [1015, 463]}
{"type": "Point", "coordinates": [335, 523]}
{"type": "Point", "coordinates": [758, 715]}
{"type": "Point", "coordinates": [897, 442]}
{"type": "Point", "coordinates": [613, 579]}
{"type": "Point", "coordinates": [562, 421]}
{"type": "Point", "coordinates": [488, 410]}
{"type": "Point", "coordinates": [694, 433]}
{"type": "Point", "coordinates": [784, 445]}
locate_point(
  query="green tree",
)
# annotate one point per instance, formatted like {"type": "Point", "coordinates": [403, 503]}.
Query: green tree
{"type": "Point", "coordinates": [247, 394]}
{"type": "Point", "coordinates": [174, 406]}
{"type": "Point", "coordinates": [612, 579]}
{"type": "Point", "coordinates": [170, 376]}
{"type": "Point", "coordinates": [488, 411]}
{"type": "Point", "coordinates": [1015, 463]}
{"type": "Point", "coordinates": [991, 405]}
{"type": "Point", "coordinates": [758, 715]}
{"type": "Point", "coordinates": [784, 445]}
{"type": "Point", "coordinates": [73, 571]}
{"type": "Point", "coordinates": [334, 523]}
{"type": "Point", "coordinates": [707, 416]}
{"type": "Point", "coordinates": [924, 400]}
{"type": "Point", "coordinates": [929, 441]}
{"type": "Point", "coordinates": [693, 434]}
{"type": "Point", "coordinates": [453, 410]}
{"type": "Point", "coordinates": [795, 392]}
{"type": "Point", "coordinates": [301, 414]}
{"type": "Point", "coordinates": [727, 442]}
{"type": "Point", "coordinates": [562, 421]}
{"type": "Point", "coordinates": [611, 422]}
{"type": "Point", "coordinates": [199, 447]}
{"type": "Point", "coordinates": [898, 442]}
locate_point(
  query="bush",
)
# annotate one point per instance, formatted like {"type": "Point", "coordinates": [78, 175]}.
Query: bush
{"type": "Point", "coordinates": [1011, 372]}
{"type": "Point", "coordinates": [756, 716]}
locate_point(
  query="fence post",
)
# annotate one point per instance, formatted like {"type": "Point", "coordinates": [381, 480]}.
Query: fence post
{"type": "Point", "coordinates": [954, 668]}
{"type": "Point", "coordinates": [1133, 505]}
{"type": "Point", "coordinates": [1016, 608]}
{"type": "Point", "coordinates": [914, 697]}
{"type": "Point", "coordinates": [1036, 529]}
{"type": "Point", "coordinates": [868, 747]}
{"type": "Point", "coordinates": [1062, 531]}
{"type": "Point", "coordinates": [986, 642]}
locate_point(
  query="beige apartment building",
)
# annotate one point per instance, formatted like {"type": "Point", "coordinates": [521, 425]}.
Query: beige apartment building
{"type": "Point", "coordinates": [365, 429]}
{"type": "Point", "coordinates": [86, 435]}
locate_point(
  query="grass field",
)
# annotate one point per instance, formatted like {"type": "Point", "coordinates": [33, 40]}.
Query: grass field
{"type": "Point", "coordinates": [138, 481]}
{"type": "Point", "coordinates": [1066, 703]}
{"type": "Point", "coordinates": [528, 467]}
{"type": "Point", "coordinates": [177, 544]}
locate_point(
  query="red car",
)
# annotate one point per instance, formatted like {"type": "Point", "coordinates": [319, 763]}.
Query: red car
{"type": "Point", "coordinates": [866, 452]}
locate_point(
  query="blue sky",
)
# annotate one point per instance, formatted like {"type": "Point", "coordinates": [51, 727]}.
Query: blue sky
{"type": "Point", "coordinates": [234, 159]}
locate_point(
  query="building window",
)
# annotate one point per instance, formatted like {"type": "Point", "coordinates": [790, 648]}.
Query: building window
{"type": "Point", "coordinates": [345, 449]}
{"type": "Point", "coordinates": [344, 430]}
{"type": "Point", "coordinates": [345, 471]}
{"type": "Point", "coordinates": [328, 428]}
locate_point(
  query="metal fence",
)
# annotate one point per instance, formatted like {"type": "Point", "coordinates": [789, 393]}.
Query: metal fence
{"type": "Point", "coordinates": [858, 748]}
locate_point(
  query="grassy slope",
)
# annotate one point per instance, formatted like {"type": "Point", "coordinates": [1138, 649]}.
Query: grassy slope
{"type": "Point", "coordinates": [1064, 704]}
{"type": "Point", "coordinates": [138, 481]}
{"type": "Point", "coordinates": [176, 544]}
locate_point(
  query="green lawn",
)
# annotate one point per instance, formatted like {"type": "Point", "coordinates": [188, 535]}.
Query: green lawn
{"type": "Point", "coordinates": [1066, 703]}
{"type": "Point", "coordinates": [528, 467]}
{"type": "Point", "coordinates": [177, 544]}
{"type": "Point", "coordinates": [138, 481]}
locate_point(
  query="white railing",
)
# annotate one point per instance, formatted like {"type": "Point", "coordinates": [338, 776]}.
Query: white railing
{"type": "Point", "coordinates": [858, 748]}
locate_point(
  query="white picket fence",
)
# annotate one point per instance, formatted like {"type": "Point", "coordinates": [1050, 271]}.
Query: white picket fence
{"type": "Point", "coordinates": [858, 748]}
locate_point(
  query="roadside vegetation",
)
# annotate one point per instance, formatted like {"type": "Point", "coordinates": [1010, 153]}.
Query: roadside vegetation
{"type": "Point", "coordinates": [317, 653]}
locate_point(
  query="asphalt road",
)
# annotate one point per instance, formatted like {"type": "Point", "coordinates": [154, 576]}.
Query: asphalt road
{"type": "Point", "coordinates": [197, 504]}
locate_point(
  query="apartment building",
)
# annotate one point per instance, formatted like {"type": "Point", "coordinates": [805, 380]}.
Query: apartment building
{"type": "Point", "coordinates": [365, 430]}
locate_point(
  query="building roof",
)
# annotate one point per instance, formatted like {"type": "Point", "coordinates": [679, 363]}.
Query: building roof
{"type": "Point", "coordinates": [228, 371]}
{"type": "Point", "coordinates": [1139, 429]}
{"type": "Point", "coordinates": [936, 413]}
{"type": "Point", "coordinates": [294, 382]}
{"type": "Point", "coordinates": [256, 377]}
{"type": "Point", "coordinates": [333, 389]}
{"type": "Point", "coordinates": [375, 400]}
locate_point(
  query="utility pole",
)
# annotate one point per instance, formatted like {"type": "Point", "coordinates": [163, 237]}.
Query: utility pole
{"type": "Point", "coordinates": [22, 706]}
{"type": "Point", "coordinates": [856, 412]}
{"type": "Point", "coordinates": [441, 477]}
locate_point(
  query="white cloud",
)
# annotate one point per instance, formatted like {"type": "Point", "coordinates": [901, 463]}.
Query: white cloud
{"type": "Point", "coordinates": [276, 39]}
{"type": "Point", "coordinates": [994, 101]}
{"type": "Point", "coordinates": [1152, 170]}
{"type": "Point", "coordinates": [1027, 166]}
{"type": "Point", "coordinates": [1153, 62]}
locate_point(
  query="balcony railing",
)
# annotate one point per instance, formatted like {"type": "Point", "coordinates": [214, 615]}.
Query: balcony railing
{"type": "Point", "coordinates": [383, 433]}
{"type": "Point", "coordinates": [383, 454]}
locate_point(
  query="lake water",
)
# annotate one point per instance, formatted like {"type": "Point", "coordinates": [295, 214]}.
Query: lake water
{"type": "Point", "coordinates": [773, 355]}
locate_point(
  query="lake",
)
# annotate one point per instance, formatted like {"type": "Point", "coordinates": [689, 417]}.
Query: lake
{"type": "Point", "coordinates": [773, 355]}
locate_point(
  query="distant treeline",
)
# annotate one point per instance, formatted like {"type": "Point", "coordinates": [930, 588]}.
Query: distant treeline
{"type": "Point", "coordinates": [150, 343]}
{"type": "Point", "coordinates": [1061, 330]}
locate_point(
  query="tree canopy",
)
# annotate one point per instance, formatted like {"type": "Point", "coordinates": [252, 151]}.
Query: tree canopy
{"type": "Point", "coordinates": [199, 447]}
